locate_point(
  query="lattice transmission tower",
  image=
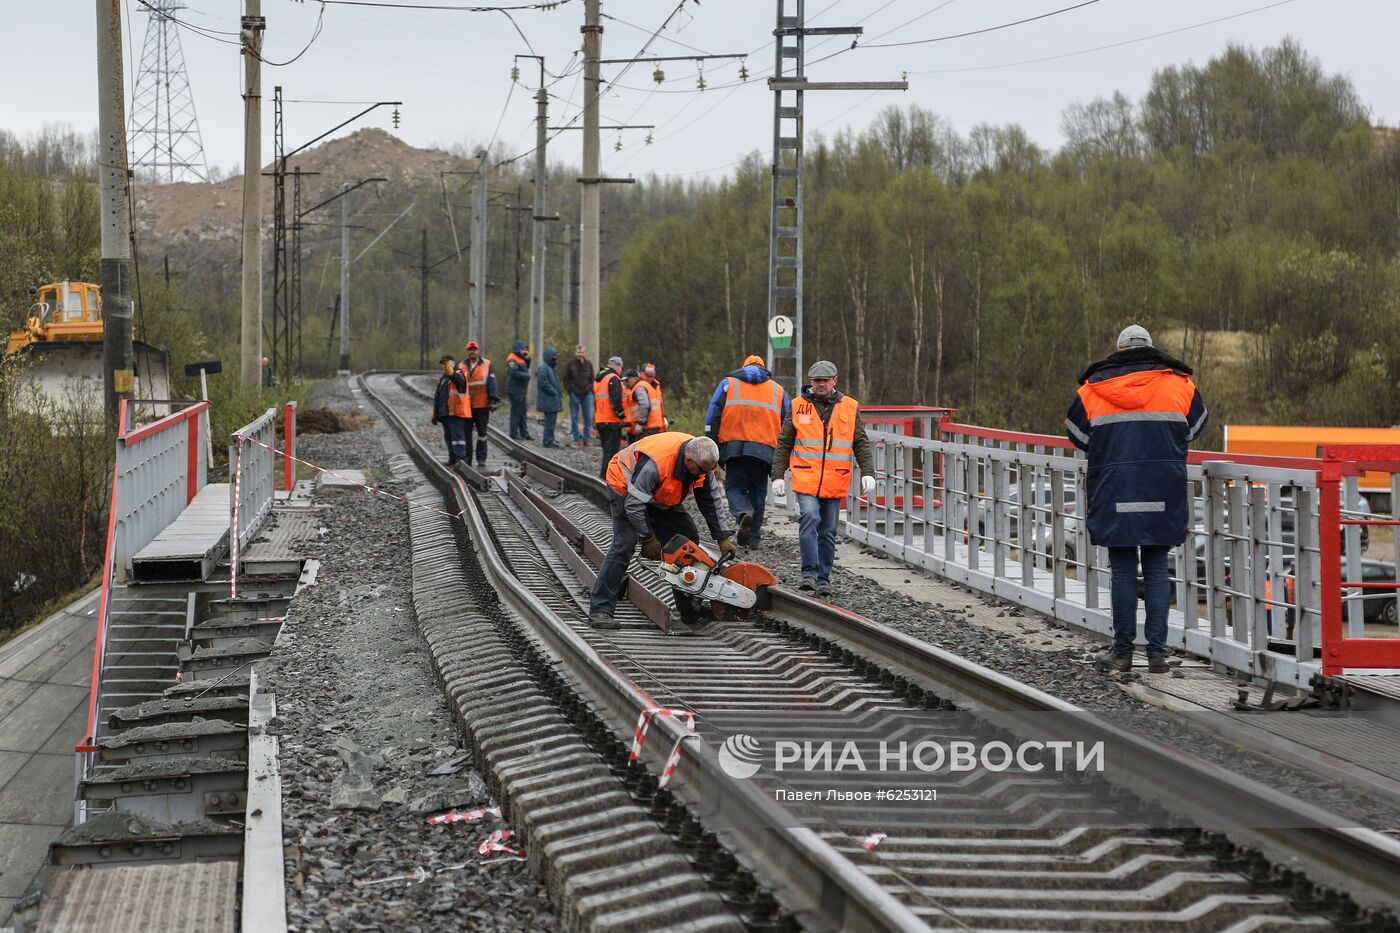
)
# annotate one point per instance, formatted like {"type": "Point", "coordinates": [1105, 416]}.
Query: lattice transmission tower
{"type": "Point", "coordinates": [164, 132]}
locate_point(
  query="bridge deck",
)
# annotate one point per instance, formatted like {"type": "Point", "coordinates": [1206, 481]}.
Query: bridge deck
{"type": "Point", "coordinates": [189, 548]}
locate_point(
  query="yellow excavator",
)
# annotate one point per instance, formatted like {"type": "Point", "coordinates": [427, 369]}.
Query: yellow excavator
{"type": "Point", "coordinates": [63, 331]}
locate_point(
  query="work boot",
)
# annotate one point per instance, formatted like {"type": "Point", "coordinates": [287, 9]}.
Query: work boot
{"type": "Point", "coordinates": [1156, 664]}
{"type": "Point", "coordinates": [603, 621]}
{"type": "Point", "coordinates": [745, 524]}
{"type": "Point", "coordinates": [1108, 662]}
{"type": "Point", "coordinates": [823, 590]}
{"type": "Point", "coordinates": [808, 585]}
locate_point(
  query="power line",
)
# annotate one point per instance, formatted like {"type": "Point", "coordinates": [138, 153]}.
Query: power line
{"type": "Point", "coordinates": [1111, 45]}
{"type": "Point", "coordinates": [544, 5]}
{"type": "Point", "coordinates": [982, 31]}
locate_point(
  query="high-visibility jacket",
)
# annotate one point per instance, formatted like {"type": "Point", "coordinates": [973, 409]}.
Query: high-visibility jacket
{"type": "Point", "coordinates": [459, 404]}
{"type": "Point", "coordinates": [823, 454]}
{"type": "Point", "coordinates": [629, 408]}
{"type": "Point", "coordinates": [655, 420]}
{"type": "Point", "coordinates": [663, 449]}
{"type": "Point", "coordinates": [752, 412]}
{"type": "Point", "coordinates": [1134, 415]}
{"type": "Point", "coordinates": [602, 401]}
{"type": "Point", "coordinates": [477, 377]}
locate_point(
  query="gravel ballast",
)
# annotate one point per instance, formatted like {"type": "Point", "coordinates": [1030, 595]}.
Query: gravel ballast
{"type": "Point", "coordinates": [361, 723]}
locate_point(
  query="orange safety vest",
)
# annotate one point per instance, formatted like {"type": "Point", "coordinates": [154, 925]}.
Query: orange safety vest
{"type": "Point", "coordinates": [655, 420]}
{"type": "Point", "coordinates": [476, 381]}
{"type": "Point", "coordinates": [823, 454]}
{"type": "Point", "coordinates": [663, 449]}
{"type": "Point", "coordinates": [752, 412]}
{"type": "Point", "coordinates": [629, 408]}
{"type": "Point", "coordinates": [459, 404]}
{"type": "Point", "coordinates": [602, 404]}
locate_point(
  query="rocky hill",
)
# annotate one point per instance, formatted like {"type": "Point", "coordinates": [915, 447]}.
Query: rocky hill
{"type": "Point", "coordinates": [203, 221]}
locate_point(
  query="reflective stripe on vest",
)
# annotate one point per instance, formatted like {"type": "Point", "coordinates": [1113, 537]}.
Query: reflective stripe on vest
{"type": "Point", "coordinates": [602, 404]}
{"type": "Point", "coordinates": [822, 454]}
{"type": "Point", "coordinates": [663, 449]}
{"type": "Point", "coordinates": [654, 416]}
{"type": "Point", "coordinates": [752, 412]}
{"type": "Point", "coordinates": [476, 382]}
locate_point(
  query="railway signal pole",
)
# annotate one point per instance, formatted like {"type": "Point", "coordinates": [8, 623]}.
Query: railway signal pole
{"type": "Point", "coordinates": [785, 255]}
{"type": "Point", "coordinates": [119, 375]}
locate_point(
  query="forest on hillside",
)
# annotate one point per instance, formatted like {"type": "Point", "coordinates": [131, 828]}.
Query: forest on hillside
{"type": "Point", "coordinates": [1244, 210]}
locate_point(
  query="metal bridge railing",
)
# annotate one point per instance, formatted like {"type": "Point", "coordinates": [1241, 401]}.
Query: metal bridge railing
{"type": "Point", "coordinates": [1005, 513]}
{"type": "Point", "coordinates": [158, 469]}
{"type": "Point", "coordinates": [252, 459]}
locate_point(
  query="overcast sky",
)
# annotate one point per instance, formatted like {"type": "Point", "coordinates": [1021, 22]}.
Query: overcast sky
{"type": "Point", "coordinates": [452, 69]}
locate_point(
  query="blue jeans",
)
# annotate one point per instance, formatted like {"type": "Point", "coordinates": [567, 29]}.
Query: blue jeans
{"type": "Point", "coordinates": [746, 487]}
{"type": "Point", "coordinates": [518, 429]}
{"type": "Point", "coordinates": [816, 535]}
{"type": "Point", "coordinates": [549, 418]}
{"type": "Point", "coordinates": [580, 412]}
{"type": "Point", "coordinates": [665, 523]}
{"type": "Point", "coordinates": [1157, 594]}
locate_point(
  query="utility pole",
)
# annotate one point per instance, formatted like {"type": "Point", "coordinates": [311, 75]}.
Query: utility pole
{"type": "Point", "coordinates": [423, 306]}
{"type": "Point", "coordinates": [566, 300]}
{"type": "Point", "coordinates": [589, 272]}
{"type": "Point", "coordinates": [252, 35]}
{"type": "Point", "coordinates": [119, 374]}
{"type": "Point", "coordinates": [537, 245]}
{"type": "Point", "coordinates": [517, 209]}
{"type": "Point", "coordinates": [344, 280]}
{"type": "Point", "coordinates": [785, 254]}
{"type": "Point", "coordinates": [476, 327]}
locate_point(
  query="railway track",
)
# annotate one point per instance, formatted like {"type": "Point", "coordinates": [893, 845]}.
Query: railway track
{"type": "Point", "coordinates": [1001, 849]}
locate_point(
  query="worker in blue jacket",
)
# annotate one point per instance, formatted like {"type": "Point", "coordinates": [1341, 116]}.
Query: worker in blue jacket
{"type": "Point", "coordinates": [745, 416]}
{"type": "Point", "coordinates": [517, 388]}
{"type": "Point", "coordinates": [1135, 414]}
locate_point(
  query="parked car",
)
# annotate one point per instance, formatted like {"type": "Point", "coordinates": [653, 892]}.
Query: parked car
{"type": "Point", "coordinates": [1378, 605]}
{"type": "Point", "coordinates": [1041, 498]}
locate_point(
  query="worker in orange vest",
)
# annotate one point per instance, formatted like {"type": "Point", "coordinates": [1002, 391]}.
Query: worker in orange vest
{"type": "Point", "coordinates": [656, 420]}
{"type": "Point", "coordinates": [637, 407]}
{"type": "Point", "coordinates": [648, 483]}
{"type": "Point", "coordinates": [452, 409]}
{"type": "Point", "coordinates": [821, 440]}
{"type": "Point", "coordinates": [482, 392]}
{"type": "Point", "coordinates": [608, 410]}
{"type": "Point", "coordinates": [745, 416]}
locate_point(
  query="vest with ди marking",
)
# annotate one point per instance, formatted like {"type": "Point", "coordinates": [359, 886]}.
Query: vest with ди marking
{"type": "Point", "coordinates": [823, 455]}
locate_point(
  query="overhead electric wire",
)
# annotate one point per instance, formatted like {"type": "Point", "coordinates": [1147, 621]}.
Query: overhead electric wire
{"type": "Point", "coordinates": [384, 4]}
{"type": "Point", "coordinates": [982, 31]}
{"type": "Point", "coordinates": [1111, 45]}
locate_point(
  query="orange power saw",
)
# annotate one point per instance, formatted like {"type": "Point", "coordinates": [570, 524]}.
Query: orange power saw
{"type": "Point", "coordinates": [693, 572]}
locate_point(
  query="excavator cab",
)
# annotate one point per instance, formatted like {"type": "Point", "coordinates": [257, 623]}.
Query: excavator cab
{"type": "Point", "coordinates": [61, 311]}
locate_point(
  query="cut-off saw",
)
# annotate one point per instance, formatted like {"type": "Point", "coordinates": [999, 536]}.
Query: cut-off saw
{"type": "Point", "coordinates": [725, 583]}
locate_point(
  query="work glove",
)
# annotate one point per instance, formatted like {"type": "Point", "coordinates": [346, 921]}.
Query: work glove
{"type": "Point", "coordinates": [434, 417]}
{"type": "Point", "coordinates": [779, 487]}
{"type": "Point", "coordinates": [727, 548]}
{"type": "Point", "coordinates": [867, 484]}
{"type": "Point", "coordinates": [651, 548]}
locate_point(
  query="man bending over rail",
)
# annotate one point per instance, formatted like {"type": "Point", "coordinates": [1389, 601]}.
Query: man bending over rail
{"type": "Point", "coordinates": [648, 483]}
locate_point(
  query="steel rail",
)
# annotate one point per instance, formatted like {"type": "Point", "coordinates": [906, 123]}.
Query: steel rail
{"type": "Point", "coordinates": [810, 876]}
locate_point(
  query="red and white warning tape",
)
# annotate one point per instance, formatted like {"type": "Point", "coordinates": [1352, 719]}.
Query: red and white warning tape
{"type": "Point", "coordinates": [463, 816]}
{"type": "Point", "coordinates": [639, 737]}
{"type": "Point", "coordinates": [496, 843]}
{"type": "Point", "coordinates": [873, 840]}
{"type": "Point", "coordinates": [365, 486]}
